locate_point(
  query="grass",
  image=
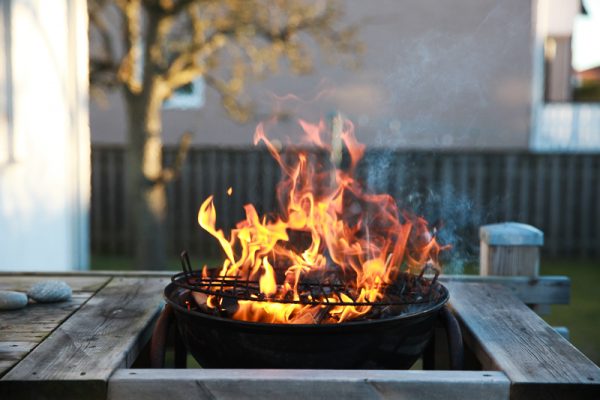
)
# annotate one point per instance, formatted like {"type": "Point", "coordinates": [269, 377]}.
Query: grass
{"type": "Point", "coordinates": [581, 316]}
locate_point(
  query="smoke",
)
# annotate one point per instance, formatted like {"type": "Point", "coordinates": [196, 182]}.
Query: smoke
{"type": "Point", "coordinates": [419, 185]}
{"type": "Point", "coordinates": [457, 222]}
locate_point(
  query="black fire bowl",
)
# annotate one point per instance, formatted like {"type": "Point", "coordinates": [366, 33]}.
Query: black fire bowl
{"type": "Point", "coordinates": [391, 343]}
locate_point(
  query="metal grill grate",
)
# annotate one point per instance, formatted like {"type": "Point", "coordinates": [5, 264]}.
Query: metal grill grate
{"type": "Point", "coordinates": [411, 290]}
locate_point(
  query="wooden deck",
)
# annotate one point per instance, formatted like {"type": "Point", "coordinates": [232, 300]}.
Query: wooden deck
{"type": "Point", "coordinates": [84, 348]}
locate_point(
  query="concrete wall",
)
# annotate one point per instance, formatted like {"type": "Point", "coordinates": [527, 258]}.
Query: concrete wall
{"type": "Point", "coordinates": [436, 74]}
{"type": "Point", "coordinates": [44, 135]}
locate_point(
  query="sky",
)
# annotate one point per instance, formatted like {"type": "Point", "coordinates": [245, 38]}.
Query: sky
{"type": "Point", "coordinates": [586, 37]}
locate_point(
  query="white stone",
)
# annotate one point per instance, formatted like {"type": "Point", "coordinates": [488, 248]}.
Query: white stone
{"type": "Point", "coordinates": [50, 291]}
{"type": "Point", "coordinates": [10, 300]}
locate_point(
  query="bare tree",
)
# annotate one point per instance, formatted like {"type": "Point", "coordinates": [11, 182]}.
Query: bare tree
{"type": "Point", "coordinates": [149, 48]}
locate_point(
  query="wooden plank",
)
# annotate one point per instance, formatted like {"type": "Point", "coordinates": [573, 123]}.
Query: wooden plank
{"type": "Point", "coordinates": [585, 208]}
{"type": "Point", "coordinates": [196, 198]}
{"type": "Point", "coordinates": [268, 181]}
{"type": "Point", "coordinates": [510, 260]}
{"type": "Point", "coordinates": [556, 211]}
{"type": "Point", "coordinates": [188, 210]}
{"type": "Point", "coordinates": [103, 209]}
{"type": "Point", "coordinates": [76, 360]}
{"type": "Point", "coordinates": [540, 290]}
{"type": "Point", "coordinates": [509, 187]}
{"type": "Point", "coordinates": [540, 197]}
{"type": "Point", "coordinates": [508, 336]}
{"type": "Point", "coordinates": [525, 193]}
{"type": "Point", "coordinates": [430, 164]}
{"type": "Point", "coordinates": [37, 320]}
{"type": "Point", "coordinates": [22, 283]}
{"type": "Point", "coordinates": [464, 162]}
{"type": "Point", "coordinates": [570, 210]}
{"type": "Point", "coordinates": [494, 180]}
{"type": "Point", "coordinates": [305, 384]}
{"type": "Point", "coordinates": [174, 210]}
{"type": "Point", "coordinates": [123, 215]}
{"type": "Point", "coordinates": [211, 171]}
{"type": "Point", "coordinates": [464, 188]}
{"type": "Point", "coordinates": [399, 173]}
{"type": "Point", "coordinates": [251, 182]}
{"type": "Point", "coordinates": [13, 352]}
{"type": "Point", "coordinates": [479, 199]}
{"type": "Point", "coordinates": [223, 176]}
{"type": "Point", "coordinates": [96, 215]}
{"type": "Point", "coordinates": [22, 330]}
{"type": "Point", "coordinates": [111, 195]}
{"type": "Point", "coordinates": [447, 182]}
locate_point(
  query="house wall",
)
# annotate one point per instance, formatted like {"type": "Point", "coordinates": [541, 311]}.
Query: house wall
{"type": "Point", "coordinates": [451, 74]}
{"type": "Point", "coordinates": [44, 135]}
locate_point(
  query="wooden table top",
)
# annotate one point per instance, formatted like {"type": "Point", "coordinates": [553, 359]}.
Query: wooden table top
{"type": "Point", "coordinates": [85, 339]}
{"type": "Point", "coordinates": [78, 348]}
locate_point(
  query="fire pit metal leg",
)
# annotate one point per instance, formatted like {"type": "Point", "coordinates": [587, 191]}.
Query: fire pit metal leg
{"type": "Point", "coordinates": [158, 342]}
{"type": "Point", "coordinates": [180, 350]}
{"type": "Point", "coordinates": [429, 355]}
{"type": "Point", "coordinates": [455, 341]}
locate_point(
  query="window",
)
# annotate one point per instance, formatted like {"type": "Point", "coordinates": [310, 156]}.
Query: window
{"type": "Point", "coordinates": [187, 97]}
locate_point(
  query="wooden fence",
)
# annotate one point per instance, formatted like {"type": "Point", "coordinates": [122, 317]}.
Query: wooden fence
{"type": "Point", "coordinates": [558, 193]}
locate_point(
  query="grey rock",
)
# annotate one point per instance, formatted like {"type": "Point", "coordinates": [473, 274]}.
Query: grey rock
{"type": "Point", "coordinates": [12, 300]}
{"type": "Point", "coordinates": [50, 291]}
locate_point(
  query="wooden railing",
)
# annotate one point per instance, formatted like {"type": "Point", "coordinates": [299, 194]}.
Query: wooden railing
{"type": "Point", "coordinates": [558, 193]}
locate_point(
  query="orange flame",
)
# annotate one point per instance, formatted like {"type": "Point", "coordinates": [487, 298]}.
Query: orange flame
{"type": "Point", "coordinates": [328, 226]}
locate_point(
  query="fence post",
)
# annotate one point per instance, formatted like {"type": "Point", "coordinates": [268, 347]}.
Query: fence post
{"type": "Point", "coordinates": [510, 248]}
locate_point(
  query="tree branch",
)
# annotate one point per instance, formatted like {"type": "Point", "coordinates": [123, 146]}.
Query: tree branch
{"type": "Point", "coordinates": [239, 109]}
{"type": "Point", "coordinates": [131, 10]}
{"type": "Point", "coordinates": [185, 64]}
{"type": "Point", "coordinates": [184, 39]}
{"type": "Point", "coordinates": [99, 24]}
{"type": "Point", "coordinates": [103, 66]}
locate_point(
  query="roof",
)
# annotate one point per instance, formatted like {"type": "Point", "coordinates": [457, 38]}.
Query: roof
{"type": "Point", "coordinates": [591, 74]}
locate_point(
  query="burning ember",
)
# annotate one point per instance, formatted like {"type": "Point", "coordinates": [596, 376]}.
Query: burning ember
{"type": "Point", "coordinates": [332, 252]}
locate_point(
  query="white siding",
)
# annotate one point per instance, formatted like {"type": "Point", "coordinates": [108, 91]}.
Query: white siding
{"type": "Point", "coordinates": [568, 127]}
{"type": "Point", "coordinates": [44, 173]}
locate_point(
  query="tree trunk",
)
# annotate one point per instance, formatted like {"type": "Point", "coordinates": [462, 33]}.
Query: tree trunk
{"type": "Point", "coordinates": [146, 191]}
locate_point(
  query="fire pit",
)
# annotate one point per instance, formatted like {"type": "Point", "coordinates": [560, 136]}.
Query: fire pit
{"type": "Point", "coordinates": [394, 341]}
{"type": "Point", "coordinates": [335, 278]}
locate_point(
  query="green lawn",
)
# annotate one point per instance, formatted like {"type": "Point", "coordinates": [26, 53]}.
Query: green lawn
{"type": "Point", "coordinates": [582, 316]}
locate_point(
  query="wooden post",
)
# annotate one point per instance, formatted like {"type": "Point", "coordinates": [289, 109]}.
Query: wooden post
{"type": "Point", "coordinates": [510, 248]}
